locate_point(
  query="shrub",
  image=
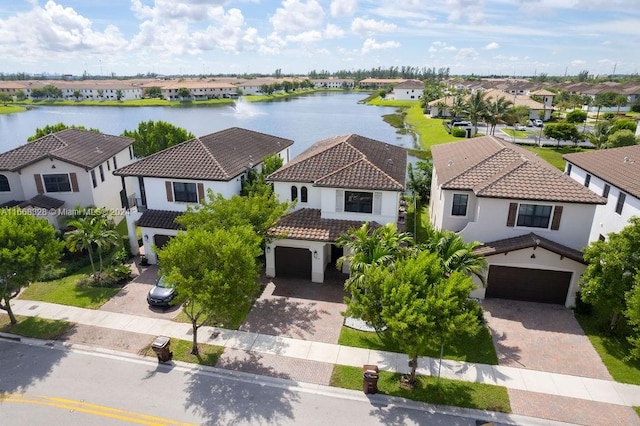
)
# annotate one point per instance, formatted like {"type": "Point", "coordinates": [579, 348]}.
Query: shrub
{"type": "Point", "coordinates": [635, 107]}
{"type": "Point", "coordinates": [576, 116]}
{"type": "Point", "coordinates": [120, 257]}
{"type": "Point", "coordinates": [458, 132]}
{"type": "Point", "coordinates": [582, 307]}
{"type": "Point", "coordinates": [608, 116]}
{"type": "Point", "coordinates": [111, 277]}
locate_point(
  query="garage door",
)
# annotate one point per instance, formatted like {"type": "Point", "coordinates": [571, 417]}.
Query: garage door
{"type": "Point", "coordinates": [293, 262]}
{"type": "Point", "coordinates": [161, 240]}
{"type": "Point", "coordinates": [533, 285]}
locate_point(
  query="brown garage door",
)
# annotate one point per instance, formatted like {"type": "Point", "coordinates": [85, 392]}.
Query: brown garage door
{"type": "Point", "coordinates": [161, 240]}
{"type": "Point", "coordinates": [293, 262]}
{"type": "Point", "coordinates": [533, 285]}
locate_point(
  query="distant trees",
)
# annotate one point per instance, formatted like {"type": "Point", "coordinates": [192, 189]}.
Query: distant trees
{"type": "Point", "coordinates": [47, 92]}
{"type": "Point", "coordinates": [53, 128]}
{"type": "Point", "coordinates": [562, 132]}
{"type": "Point", "coordinates": [577, 116]}
{"type": "Point", "coordinates": [420, 180]}
{"type": "Point", "coordinates": [497, 112]}
{"type": "Point", "coordinates": [184, 93]}
{"type": "Point", "coordinates": [621, 138]}
{"type": "Point", "coordinates": [5, 98]}
{"type": "Point", "coordinates": [152, 92]}
{"type": "Point", "coordinates": [153, 136]}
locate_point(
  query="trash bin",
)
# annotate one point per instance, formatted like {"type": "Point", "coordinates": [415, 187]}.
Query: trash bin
{"type": "Point", "coordinates": [161, 346]}
{"type": "Point", "coordinates": [370, 378]}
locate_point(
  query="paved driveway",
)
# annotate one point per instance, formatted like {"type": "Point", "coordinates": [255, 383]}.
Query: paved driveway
{"type": "Point", "coordinates": [541, 336]}
{"type": "Point", "coordinates": [299, 309]}
{"type": "Point", "coordinates": [132, 299]}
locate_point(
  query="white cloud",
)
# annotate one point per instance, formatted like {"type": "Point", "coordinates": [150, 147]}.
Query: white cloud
{"type": "Point", "coordinates": [467, 53]}
{"type": "Point", "coordinates": [432, 49]}
{"type": "Point", "coordinates": [466, 10]}
{"type": "Point", "coordinates": [305, 37]}
{"type": "Point", "coordinates": [450, 48]}
{"type": "Point", "coordinates": [333, 31]}
{"type": "Point", "coordinates": [367, 27]}
{"type": "Point", "coordinates": [578, 63]}
{"type": "Point", "coordinates": [341, 8]}
{"type": "Point", "coordinates": [491, 46]}
{"type": "Point", "coordinates": [371, 44]}
{"type": "Point", "coordinates": [295, 16]}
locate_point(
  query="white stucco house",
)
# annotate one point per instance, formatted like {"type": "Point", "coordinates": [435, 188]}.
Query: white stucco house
{"type": "Point", "coordinates": [63, 170]}
{"type": "Point", "coordinates": [615, 175]}
{"type": "Point", "coordinates": [166, 182]}
{"type": "Point", "coordinates": [339, 183]}
{"type": "Point", "coordinates": [410, 90]}
{"type": "Point", "coordinates": [532, 219]}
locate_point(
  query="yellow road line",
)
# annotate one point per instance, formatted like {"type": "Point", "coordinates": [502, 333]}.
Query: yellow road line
{"type": "Point", "coordinates": [84, 407]}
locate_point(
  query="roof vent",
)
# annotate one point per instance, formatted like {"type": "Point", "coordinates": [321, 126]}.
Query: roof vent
{"type": "Point", "coordinates": [98, 150]}
{"type": "Point", "coordinates": [449, 163]}
{"type": "Point", "coordinates": [628, 160]}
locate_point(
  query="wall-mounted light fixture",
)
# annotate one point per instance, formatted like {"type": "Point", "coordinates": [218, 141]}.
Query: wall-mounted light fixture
{"type": "Point", "coordinates": [315, 254]}
{"type": "Point", "coordinates": [268, 249]}
{"type": "Point", "coordinates": [146, 238]}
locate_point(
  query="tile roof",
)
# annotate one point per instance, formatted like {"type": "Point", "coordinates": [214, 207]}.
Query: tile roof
{"type": "Point", "coordinates": [42, 201]}
{"type": "Point", "coordinates": [218, 156]}
{"type": "Point", "coordinates": [82, 148]}
{"type": "Point", "coordinates": [349, 161]}
{"type": "Point", "coordinates": [9, 204]}
{"type": "Point", "coordinates": [307, 224]}
{"type": "Point", "coordinates": [491, 167]}
{"type": "Point", "coordinates": [162, 219]}
{"type": "Point", "coordinates": [527, 241]}
{"type": "Point", "coordinates": [618, 166]}
{"type": "Point", "coordinates": [410, 84]}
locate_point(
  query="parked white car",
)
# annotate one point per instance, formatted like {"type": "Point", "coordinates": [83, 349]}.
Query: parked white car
{"type": "Point", "coordinates": [519, 126]}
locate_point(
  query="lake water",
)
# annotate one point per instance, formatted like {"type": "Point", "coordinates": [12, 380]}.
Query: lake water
{"type": "Point", "coordinates": [305, 119]}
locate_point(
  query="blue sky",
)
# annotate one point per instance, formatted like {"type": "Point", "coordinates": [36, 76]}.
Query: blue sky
{"type": "Point", "coordinates": [127, 37]}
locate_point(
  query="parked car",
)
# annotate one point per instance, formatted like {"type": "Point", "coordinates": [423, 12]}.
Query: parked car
{"type": "Point", "coordinates": [537, 123]}
{"type": "Point", "coordinates": [161, 294]}
{"type": "Point", "coordinates": [519, 126]}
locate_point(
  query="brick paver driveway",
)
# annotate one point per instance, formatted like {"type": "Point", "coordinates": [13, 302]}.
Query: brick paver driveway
{"type": "Point", "coordinates": [541, 336]}
{"type": "Point", "coordinates": [299, 309]}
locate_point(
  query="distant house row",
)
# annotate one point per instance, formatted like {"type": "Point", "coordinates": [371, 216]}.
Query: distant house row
{"type": "Point", "coordinates": [532, 218]}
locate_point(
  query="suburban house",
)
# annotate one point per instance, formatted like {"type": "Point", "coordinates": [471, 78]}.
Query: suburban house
{"type": "Point", "coordinates": [615, 175]}
{"type": "Point", "coordinates": [65, 169]}
{"type": "Point", "coordinates": [333, 83]}
{"type": "Point", "coordinates": [166, 182]}
{"type": "Point", "coordinates": [339, 183]}
{"type": "Point", "coordinates": [410, 90]}
{"type": "Point", "coordinates": [532, 219]}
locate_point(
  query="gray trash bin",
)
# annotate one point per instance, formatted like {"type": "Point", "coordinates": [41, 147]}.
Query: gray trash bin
{"type": "Point", "coordinates": [161, 346]}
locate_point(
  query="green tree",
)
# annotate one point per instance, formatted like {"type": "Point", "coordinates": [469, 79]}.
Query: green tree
{"type": "Point", "coordinates": [152, 92]}
{"type": "Point", "coordinates": [620, 100]}
{"type": "Point", "coordinates": [81, 238]}
{"type": "Point", "coordinates": [27, 245]}
{"type": "Point", "coordinates": [119, 94]}
{"type": "Point", "coordinates": [577, 116]}
{"type": "Point", "coordinates": [599, 135]}
{"type": "Point", "coordinates": [622, 124]}
{"type": "Point", "coordinates": [562, 132]}
{"type": "Point", "coordinates": [611, 268]}
{"type": "Point", "coordinates": [5, 98]}
{"type": "Point", "coordinates": [621, 138]}
{"type": "Point", "coordinates": [77, 94]}
{"type": "Point", "coordinates": [153, 136]}
{"type": "Point", "coordinates": [260, 211]}
{"type": "Point", "coordinates": [53, 128]}
{"type": "Point", "coordinates": [184, 93]}
{"type": "Point", "coordinates": [476, 108]}
{"type": "Point", "coordinates": [497, 112]}
{"type": "Point", "coordinates": [517, 114]}
{"type": "Point", "coordinates": [604, 100]}
{"type": "Point", "coordinates": [20, 95]}
{"type": "Point", "coordinates": [420, 180]}
{"type": "Point", "coordinates": [422, 306]}
{"type": "Point", "coordinates": [101, 94]}
{"type": "Point", "coordinates": [214, 274]}
{"type": "Point", "coordinates": [632, 313]}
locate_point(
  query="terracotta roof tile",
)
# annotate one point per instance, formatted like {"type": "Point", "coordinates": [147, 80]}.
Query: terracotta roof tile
{"type": "Point", "coordinates": [307, 224]}
{"type": "Point", "coordinates": [618, 166]}
{"type": "Point", "coordinates": [80, 147]}
{"type": "Point", "coordinates": [494, 168]}
{"type": "Point", "coordinates": [348, 161]}
{"type": "Point", "coordinates": [527, 241]}
{"type": "Point", "coordinates": [42, 201]}
{"type": "Point", "coordinates": [218, 156]}
{"type": "Point", "coordinates": [162, 219]}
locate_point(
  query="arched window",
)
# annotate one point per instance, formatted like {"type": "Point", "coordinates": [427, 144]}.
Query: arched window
{"type": "Point", "coordinates": [303, 194]}
{"type": "Point", "coordinates": [294, 193]}
{"type": "Point", "coordinates": [4, 184]}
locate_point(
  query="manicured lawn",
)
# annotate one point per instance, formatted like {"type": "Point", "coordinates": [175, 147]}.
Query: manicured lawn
{"type": "Point", "coordinates": [430, 131]}
{"type": "Point", "coordinates": [612, 350]}
{"type": "Point", "coordinates": [65, 291]}
{"type": "Point", "coordinates": [519, 133]}
{"type": "Point", "coordinates": [553, 155]}
{"type": "Point", "coordinates": [393, 103]}
{"type": "Point", "coordinates": [131, 103]}
{"type": "Point", "coordinates": [275, 96]}
{"type": "Point", "coordinates": [422, 218]}
{"type": "Point", "coordinates": [37, 328]}
{"type": "Point", "coordinates": [478, 348]}
{"type": "Point", "coordinates": [10, 109]}
{"type": "Point", "coordinates": [637, 410]}
{"type": "Point", "coordinates": [209, 354]}
{"type": "Point", "coordinates": [448, 392]}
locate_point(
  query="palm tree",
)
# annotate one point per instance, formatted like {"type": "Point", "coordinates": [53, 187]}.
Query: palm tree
{"type": "Point", "coordinates": [620, 100]}
{"type": "Point", "coordinates": [475, 108]}
{"type": "Point", "coordinates": [458, 105]}
{"type": "Point", "coordinates": [497, 110]}
{"type": "Point", "coordinates": [455, 254]}
{"type": "Point", "coordinates": [105, 235]}
{"type": "Point", "coordinates": [81, 237]}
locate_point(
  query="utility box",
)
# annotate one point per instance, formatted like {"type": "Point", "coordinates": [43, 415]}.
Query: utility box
{"type": "Point", "coordinates": [370, 378]}
{"type": "Point", "coordinates": [161, 346]}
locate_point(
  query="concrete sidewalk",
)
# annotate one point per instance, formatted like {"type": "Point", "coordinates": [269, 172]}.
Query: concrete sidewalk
{"type": "Point", "coordinates": [513, 378]}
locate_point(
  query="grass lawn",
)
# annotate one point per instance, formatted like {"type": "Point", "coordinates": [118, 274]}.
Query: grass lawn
{"type": "Point", "coordinates": [478, 348]}
{"type": "Point", "coordinates": [37, 328]}
{"type": "Point", "coordinates": [612, 350]}
{"type": "Point", "coordinates": [553, 155]}
{"type": "Point", "coordinates": [449, 392]}
{"type": "Point", "coordinates": [378, 101]}
{"type": "Point", "coordinates": [430, 131]}
{"type": "Point", "coordinates": [65, 291]}
{"type": "Point", "coordinates": [10, 109]}
{"type": "Point", "coordinates": [522, 134]}
{"type": "Point", "coordinates": [130, 103]}
{"type": "Point", "coordinates": [209, 354]}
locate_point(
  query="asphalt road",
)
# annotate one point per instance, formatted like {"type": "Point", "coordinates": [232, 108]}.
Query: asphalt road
{"type": "Point", "coordinates": [48, 385]}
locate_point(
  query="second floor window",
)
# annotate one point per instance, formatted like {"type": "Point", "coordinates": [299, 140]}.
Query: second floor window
{"type": "Point", "coordinates": [185, 192]}
{"type": "Point", "coordinates": [459, 207]}
{"type": "Point", "coordinates": [587, 180]}
{"type": "Point", "coordinates": [4, 184]}
{"type": "Point", "coordinates": [93, 178]}
{"type": "Point", "coordinates": [57, 183]}
{"type": "Point", "coordinates": [358, 202]}
{"type": "Point", "coordinates": [620, 205]}
{"type": "Point", "coordinates": [101, 173]}
{"type": "Point", "coordinates": [534, 215]}
{"type": "Point", "coordinates": [294, 193]}
{"type": "Point", "coordinates": [303, 194]}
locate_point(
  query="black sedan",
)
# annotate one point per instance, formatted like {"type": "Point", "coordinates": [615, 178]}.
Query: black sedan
{"type": "Point", "coordinates": [161, 294]}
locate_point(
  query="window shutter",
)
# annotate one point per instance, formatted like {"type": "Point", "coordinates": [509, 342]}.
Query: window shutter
{"type": "Point", "coordinates": [513, 210]}
{"type": "Point", "coordinates": [201, 193]}
{"type": "Point", "coordinates": [377, 203]}
{"type": "Point", "coordinates": [557, 214]}
{"type": "Point", "coordinates": [167, 185]}
{"type": "Point", "coordinates": [39, 186]}
{"type": "Point", "coordinates": [339, 200]}
{"type": "Point", "coordinates": [74, 182]}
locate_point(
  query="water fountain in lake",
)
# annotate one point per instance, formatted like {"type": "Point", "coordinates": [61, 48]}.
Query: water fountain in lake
{"type": "Point", "coordinates": [242, 108]}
